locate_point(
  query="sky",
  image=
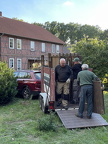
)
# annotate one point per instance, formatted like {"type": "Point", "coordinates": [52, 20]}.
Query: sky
{"type": "Point", "coordinates": [91, 12]}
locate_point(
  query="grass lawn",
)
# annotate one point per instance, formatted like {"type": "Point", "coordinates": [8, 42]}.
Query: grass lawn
{"type": "Point", "coordinates": [19, 125]}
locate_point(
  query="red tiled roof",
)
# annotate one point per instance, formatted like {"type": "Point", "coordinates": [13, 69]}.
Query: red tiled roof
{"type": "Point", "coordinates": [26, 30]}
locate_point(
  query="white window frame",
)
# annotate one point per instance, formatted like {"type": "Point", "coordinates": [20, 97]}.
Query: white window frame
{"type": "Point", "coordinates": [19, 41]}
{"type": "Point", "coordinates": [32, 46]}
{"type": "Point", "coordinates": [53, 48]}
{"type": "Point", "coordinates": [57, 49]}
{"type": "Point", "coordinates": [18, 59]}
{"type": "Point", "coordinates": [10, 62]}
{"type": "Point", "coordinates": [43, 47]}
{"type": "Point", "coordinates": [10, 42]}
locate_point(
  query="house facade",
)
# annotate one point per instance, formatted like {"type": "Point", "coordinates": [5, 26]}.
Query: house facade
{"type": "Point", "coordinates": [22, 44]}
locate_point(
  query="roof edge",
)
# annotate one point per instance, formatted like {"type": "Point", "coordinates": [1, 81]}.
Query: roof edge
{"type": "Point", "coordinates": [33, 39]}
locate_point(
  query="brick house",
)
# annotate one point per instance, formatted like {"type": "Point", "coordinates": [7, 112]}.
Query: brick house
{"type": "Point", "coordinates": [22, 44]}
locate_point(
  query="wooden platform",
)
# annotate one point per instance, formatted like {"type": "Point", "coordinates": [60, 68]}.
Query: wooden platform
{"type": "Point", "coordinates": [70, 121]}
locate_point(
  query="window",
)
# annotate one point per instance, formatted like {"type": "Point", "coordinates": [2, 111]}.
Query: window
{"type": "Point", "coordinates": [11, 43]}
{"type": "Point", "coordinates": [53, 48]}
{"type": "Point", "coordinates": [24, 75]}
{"type": "Point", "coordinates": [18, 64]}
{"type": "Point", "coordinates": [18, 43]}
{"type": "Point", "coordinates": [38, 75]}
{"type": "Point", "coordinates": [11, 62]}
{"type": "Point", "coordinates": [43, 47]}
{"type": "Point", "coordinates": [15, 74]}
{"type": "Point", "coordinates": [32, 45]}
{"type": "Point", "coordinates": [57, 49]}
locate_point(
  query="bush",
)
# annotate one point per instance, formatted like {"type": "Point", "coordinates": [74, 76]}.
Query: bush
{"type": "Point", "coordinates": [8, 84]}
{"type": "Point", "coordinates": [46, 123]}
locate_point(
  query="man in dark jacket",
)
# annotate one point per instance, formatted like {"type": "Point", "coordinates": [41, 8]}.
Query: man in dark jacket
{"type": "Point", "coordinates": [63, 76]}
{"type": "Point", "coordinates": [76, 69]}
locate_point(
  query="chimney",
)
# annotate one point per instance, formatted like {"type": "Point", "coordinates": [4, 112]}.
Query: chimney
{"type": "Point", "coordinates": [0, 13]}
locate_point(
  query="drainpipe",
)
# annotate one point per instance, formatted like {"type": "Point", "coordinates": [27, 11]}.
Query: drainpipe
{"type": "Point", "coordinates": [0, 44]}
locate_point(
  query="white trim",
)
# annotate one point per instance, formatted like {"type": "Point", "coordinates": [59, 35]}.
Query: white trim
{"type": "Point", "coordinates": [19, 67]}
{"type": "Point", "coordinates": [12, 42]}
{"type": "Point", "coordinates": [19, 40]}
{"type": "Point", "coordinates": [10, 62]}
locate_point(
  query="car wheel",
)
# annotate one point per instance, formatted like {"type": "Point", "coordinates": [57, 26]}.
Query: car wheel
{"type": "Point", "coordinates": [43, 108]}
{"type": "Point", "coordinates": [26, 93]}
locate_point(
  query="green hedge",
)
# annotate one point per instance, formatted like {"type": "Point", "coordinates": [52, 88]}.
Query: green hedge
{"type": "Point", "coordinates": [8, 84]}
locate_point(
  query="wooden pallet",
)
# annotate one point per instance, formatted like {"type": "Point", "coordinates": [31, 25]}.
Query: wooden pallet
{"type": "Point", "coordinates": [70, 121]}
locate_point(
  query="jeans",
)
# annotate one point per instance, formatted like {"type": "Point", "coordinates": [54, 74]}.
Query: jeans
{"type": "Point", "coordinates": [86, 93]}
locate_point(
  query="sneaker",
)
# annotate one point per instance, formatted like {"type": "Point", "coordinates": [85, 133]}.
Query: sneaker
{"type": "Point", "coordinates": [78, 116]}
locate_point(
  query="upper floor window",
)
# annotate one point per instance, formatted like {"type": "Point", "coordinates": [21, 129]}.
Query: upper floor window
{"type": "Point", "coordinates": [18, 43]}
{"type": "Point", "coordinates": [43, 47]}
{"type": "Point", "coordinates": [11, 62]}
{"type": "Point", "coordinates": [53, 48]}
{"type": "Point", "coordinates": [32, 45]}
{"type": "Point", "coordinates": [57, 49]}
{"type": "Point", "coordinates": [19, 64]}
{"type": "Point", "coordinates": [11, 43]}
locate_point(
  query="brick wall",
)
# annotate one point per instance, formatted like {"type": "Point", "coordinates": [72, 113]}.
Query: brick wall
{"type": "Point", "coordinates": [25, 53]}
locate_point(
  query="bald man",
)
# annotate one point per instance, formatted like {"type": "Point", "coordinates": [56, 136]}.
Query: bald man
{"type": "Point", "coordinates": [63, 76]}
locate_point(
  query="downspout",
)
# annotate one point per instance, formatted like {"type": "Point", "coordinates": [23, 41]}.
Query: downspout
{"type": "Point", "coordinates": [0, 44]}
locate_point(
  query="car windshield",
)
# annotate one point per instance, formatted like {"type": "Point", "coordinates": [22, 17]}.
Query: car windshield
{"type": "Point", "coordinates": [15, 74]}
{"type": "Point", "coordinates": [37, 75]}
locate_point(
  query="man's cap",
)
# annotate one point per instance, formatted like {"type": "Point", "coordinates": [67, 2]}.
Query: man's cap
{"type": "Point", "coordinates": [76, 59]}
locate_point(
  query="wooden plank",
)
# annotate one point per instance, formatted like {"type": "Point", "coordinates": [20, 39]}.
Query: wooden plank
{"type": "Point", "coordinates": [70, 121]}
{"type": "Point", "coordinates": [98, 98]}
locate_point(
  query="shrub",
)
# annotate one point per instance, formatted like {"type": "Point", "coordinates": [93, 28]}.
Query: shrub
{"type": "Point", "coordinates": [46, 123]}
{"type": "Point", "coordinates": [8, 84]}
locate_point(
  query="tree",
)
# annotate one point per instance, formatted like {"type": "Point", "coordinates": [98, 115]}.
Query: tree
{"type": "Point", "coordinates": [88, 30]}
{"type": "Point", "coordinates": [94, 52]}
{"type": "Point", "coordinates": [73, 30]}
{"type": "Point", "coordinates": [39, 24]}
{"type": "Point", "coordinates": [104, 35]}
{"type": "Point", "coordinates": [8, 84]}
{"type": "Point", "coordinates": [18, 19]}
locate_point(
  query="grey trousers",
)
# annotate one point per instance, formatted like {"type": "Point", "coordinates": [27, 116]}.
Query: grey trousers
{"type": "Point", "coordinates": [86, 93]}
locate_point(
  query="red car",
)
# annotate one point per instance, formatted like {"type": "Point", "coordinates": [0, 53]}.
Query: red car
{"type": "Point", "coordinates": [29, 82]}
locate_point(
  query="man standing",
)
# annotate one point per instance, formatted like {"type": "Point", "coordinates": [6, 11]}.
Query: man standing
{"type": "Point", "coordinates": [76, 88]}
{"type": "Point", "coordinates": [63, 75]}
{"type": "Point", "coordinates": [85, 79]}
